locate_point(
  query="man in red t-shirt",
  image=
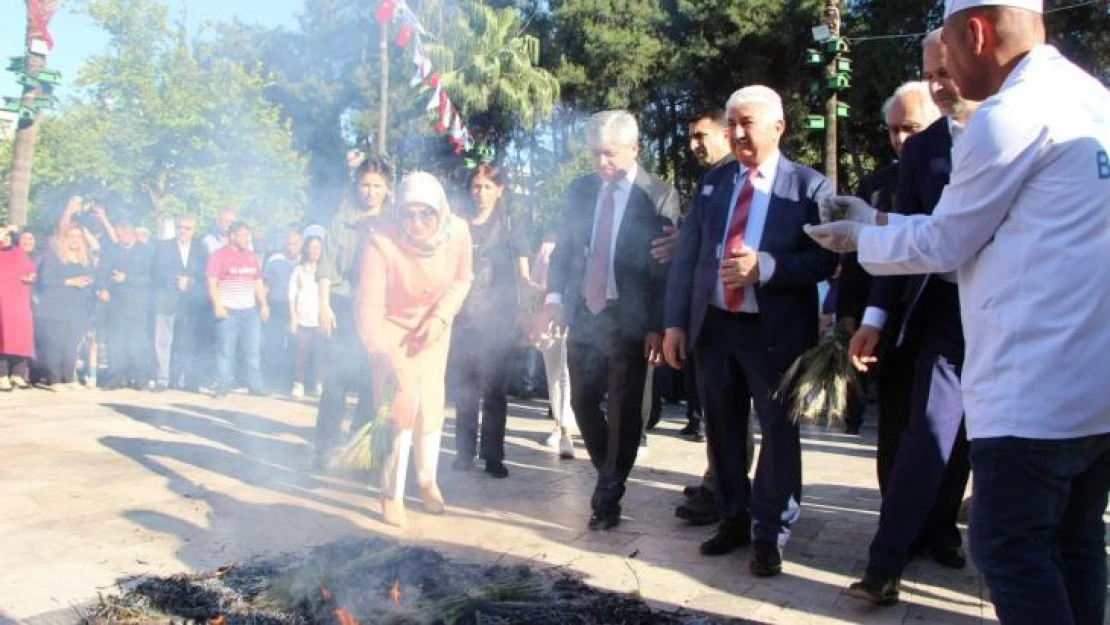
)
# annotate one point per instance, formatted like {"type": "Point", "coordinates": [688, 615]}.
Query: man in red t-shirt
{"type": "Point", "coordinates": [239, 303]}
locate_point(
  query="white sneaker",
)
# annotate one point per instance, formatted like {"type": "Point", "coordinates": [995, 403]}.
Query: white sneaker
{"type": "Point", "coordinates": [552, 439]}
{"type": "Point", "coordinates": [5, 384]}
{"type": "Point", "coordinates": [642, 453]}
{"type": "Point", "coordinates": [566, 448]}
{"type": "Point", "coordinates": [298, 390]}
{"type": "Point", "coordinates": [20, 383]}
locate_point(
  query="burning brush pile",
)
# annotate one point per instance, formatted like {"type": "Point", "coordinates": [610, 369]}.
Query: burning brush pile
{"type": "Point", "coordinates": [374, 582]}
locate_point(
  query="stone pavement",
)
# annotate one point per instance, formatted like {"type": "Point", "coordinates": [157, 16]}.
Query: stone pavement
{"type": "Point", "coordinates": [101, 486]}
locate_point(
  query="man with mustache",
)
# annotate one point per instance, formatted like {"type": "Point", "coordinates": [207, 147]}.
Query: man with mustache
{"type": "Point", "coordinates": [742, 295]}
{"type": "Point", "coordinates": [923, 465]}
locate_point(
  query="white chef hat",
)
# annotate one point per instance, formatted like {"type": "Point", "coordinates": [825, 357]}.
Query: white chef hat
{"type": "Point", "coordinates": [951, 7]}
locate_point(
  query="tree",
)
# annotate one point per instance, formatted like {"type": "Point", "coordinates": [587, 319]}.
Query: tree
{"type": "Point", "coordinates": [491, 71]}
{"type": "Point", "coordinates": [169, 129]}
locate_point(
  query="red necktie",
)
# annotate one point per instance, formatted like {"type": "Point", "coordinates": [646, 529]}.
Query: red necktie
{"type": "Point", "coordinates": [597, 274]}
{"type": "Point", "coordinates": [734, 298]}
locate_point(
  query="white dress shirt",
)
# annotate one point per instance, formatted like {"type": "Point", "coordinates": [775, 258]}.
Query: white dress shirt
{"type": "Point", "coordinates": [621, 194]}
{"type": "Point", "coordinates": [763, 184]}
{"type": "Point", "coordinates": [183, 251]}
{"type": "Point", "coordinates": [1026, 221]}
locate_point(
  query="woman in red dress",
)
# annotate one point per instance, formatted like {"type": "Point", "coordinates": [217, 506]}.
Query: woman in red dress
{"type": "Point", "coordinates": [17, 341]}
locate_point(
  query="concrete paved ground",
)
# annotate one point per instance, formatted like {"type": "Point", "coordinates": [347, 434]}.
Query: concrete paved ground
{"type": "Point", "coordinates": [99, 486]}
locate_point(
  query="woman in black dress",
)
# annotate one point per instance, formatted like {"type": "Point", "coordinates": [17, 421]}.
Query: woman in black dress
{"type": "Point", "coordinates": [487, 331]}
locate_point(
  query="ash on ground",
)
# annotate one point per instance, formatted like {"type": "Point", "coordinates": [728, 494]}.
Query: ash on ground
{"type": "Point", "coordinates": [372, 582]}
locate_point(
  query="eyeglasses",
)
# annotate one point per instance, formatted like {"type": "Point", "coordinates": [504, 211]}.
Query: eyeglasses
{"type": "Point", "coordinates": [424, 214]}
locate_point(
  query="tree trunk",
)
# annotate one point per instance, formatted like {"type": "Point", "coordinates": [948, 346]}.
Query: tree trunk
{"type": "Point", "coordinates": [23, 151]}
{"type": "Point", "coordinates": [832, 15]}
{"type": "Point", "coordinates": [383, 96]}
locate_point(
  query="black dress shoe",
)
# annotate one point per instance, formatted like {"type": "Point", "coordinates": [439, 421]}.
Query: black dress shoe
{"type": "Point", "coordinates": [496, 469]}
{"type": "Point", "coordinates": [876, 587]}
{"type": "Point", "coordinates": [949, 557]}
{"type": "Point", "coordinates": [766, 559]}
{"type": "Point", "coordinates": [691, 491]}
{"type": "Point", "coordinates": [726, 540]}
{"type": "Point", "coordinates": [701, 509]}
{"type": "Point", "coordinates": [605, 519]}
{"type": "Point", "coordinates": [691, 428]}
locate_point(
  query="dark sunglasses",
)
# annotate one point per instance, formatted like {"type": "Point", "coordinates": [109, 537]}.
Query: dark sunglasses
{"type": "Point", "coordinates": [424, 214]}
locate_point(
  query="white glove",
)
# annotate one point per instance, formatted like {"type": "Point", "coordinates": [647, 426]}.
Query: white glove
{"type": "Point", "coordinates": [846, 208]}
{"type": "Point", "coordinates": [841, 237]}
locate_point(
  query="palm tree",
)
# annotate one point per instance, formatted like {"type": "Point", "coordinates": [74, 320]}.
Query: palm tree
{"type": "Point", "coordinates": [491, 73]}
{"type": "Point", "coordinates": [23, 151]}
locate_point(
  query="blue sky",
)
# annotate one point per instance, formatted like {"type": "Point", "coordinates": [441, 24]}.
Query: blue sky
{"type": "Point", "coordinates": [76, 38]}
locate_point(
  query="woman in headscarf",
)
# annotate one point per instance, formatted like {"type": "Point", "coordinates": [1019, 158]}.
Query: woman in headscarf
{"type": "Point", "coordinates": [17, 273]}
{"type": "Point", "coordinates": [414, 277]}
{"type": "Point", "coordinates": [486, 329]}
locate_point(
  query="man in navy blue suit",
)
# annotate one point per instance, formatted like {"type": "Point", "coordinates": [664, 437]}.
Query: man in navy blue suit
{"type": "Point", "coordinates": [742, 295]}
{"type": "Point", "coordinates": [930, 467]}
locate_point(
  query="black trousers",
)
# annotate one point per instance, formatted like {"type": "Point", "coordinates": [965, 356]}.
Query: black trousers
{"type": "Point", "coordinates": [129, 347]}
{"type": "Point", "coordinates": [56, 341]}
{"type": "Point", "coordinates": [894, 380]}
{"type": "Point", "coordinates": [14, 366]}
{"type": "Point", "coordinates": [483, 363]}
{"type": "Point", "coordinates": [736, 371]}
{"type": "Point", "coordinates": [345, 368]}
{"type": "Point", "coordinates": [690, 390]}
{"type": "Point", "coordinates": [279, 348]}
{"type": "Point", "coordinates": [601, 361]}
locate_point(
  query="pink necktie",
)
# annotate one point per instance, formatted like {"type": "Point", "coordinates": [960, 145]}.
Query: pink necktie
{"type": "Point", "coordinates": [734, 298]}
{"type": "Point", "coordinates": [597, 274]}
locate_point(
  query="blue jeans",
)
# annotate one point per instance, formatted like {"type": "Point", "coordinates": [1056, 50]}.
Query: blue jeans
{"type": "Point", "coordinates": [243, 330]}
{"type": "Point", "coordinates": [1036, 527]}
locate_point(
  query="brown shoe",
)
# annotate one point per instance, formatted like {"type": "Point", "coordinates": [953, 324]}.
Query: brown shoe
{"type": "Point", "coordinates": [432, 499]}
{"type": "Point", "coordinates": [393, 511]}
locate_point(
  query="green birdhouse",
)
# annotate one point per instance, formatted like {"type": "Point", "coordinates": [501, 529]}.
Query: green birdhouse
{"type": "Point", "coordinates": [840, 82]}
{"type": "Point", "coordinates": [815, 122]}
{"type": "Point", "coordinates": [813, 58]}
{"type": "Point", "coordinates": [844, 66]}
{"type": "Point", "coordinates": [837, 45]}
{"type": "Point", "coordinates": [15, 64]}
{"type": "Point", "coordinates": [843, 110]}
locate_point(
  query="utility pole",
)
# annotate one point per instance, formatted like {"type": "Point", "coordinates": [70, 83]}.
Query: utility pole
{"type": "Point", "coordinates": [832, 20]}
{"type": "Point", "coordinates": [381, 145]}
{"type": "Point", "coordinates": [38, 85]}
{"type": "Point", "coordinates": [831, 74]}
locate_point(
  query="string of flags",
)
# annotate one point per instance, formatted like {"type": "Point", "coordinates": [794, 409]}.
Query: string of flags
{"type": "Point", "coordinates": [449, 121]}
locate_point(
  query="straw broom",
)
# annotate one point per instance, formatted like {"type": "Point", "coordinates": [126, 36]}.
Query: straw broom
{"type": "Point", "coordinates": [820, 381]}
{"type": "Point", "coordinates": [369, 448]}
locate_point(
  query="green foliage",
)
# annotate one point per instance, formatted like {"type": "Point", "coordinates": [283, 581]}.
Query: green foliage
{"type": "Point", "coordinates": [169, 130]}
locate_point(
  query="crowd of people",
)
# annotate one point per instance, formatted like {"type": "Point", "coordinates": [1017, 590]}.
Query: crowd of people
{"type": "Point", "coordinates": [987, 199]}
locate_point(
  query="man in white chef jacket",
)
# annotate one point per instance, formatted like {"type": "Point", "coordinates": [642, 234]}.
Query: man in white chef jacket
{"type": "Point", "coordinates": [1025, 220]}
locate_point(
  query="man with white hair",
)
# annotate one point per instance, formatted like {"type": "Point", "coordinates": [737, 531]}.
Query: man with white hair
{"type": "Point", "coordinates": [923, 461]}
{"type": "Point", "coordinates": [1024, 221]}
{"type": "Point", "coordinates": [605, 286]}
{"type": "Point", "coordinates": [908, 111]}
{"type": "Point", "coordinates": [742, 297]}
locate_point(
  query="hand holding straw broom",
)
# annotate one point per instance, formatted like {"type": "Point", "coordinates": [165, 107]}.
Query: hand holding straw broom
{"type": "Point", "coordinates": [369, 448]}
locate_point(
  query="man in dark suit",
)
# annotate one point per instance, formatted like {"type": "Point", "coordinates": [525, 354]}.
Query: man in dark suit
{"type": "Point", "coordinates": [178, 301]}
{"type": "Point", "coordinates": [930, 465]}
{"type": "Point", "coordinates": [124, 285]}
{"type": "Point", "coordinates": [605, 286]}
{"type": "Point", "coordinates": [742, 293]}
{"type": "Point", "coordinates": [908, 111]}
